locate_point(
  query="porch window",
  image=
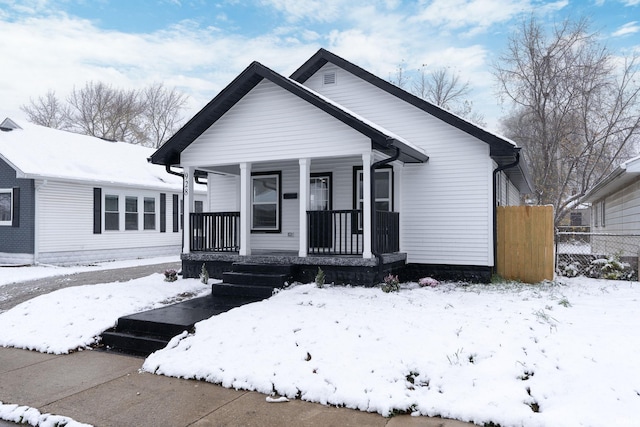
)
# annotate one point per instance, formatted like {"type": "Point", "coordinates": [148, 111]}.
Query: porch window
{"type": "Point", "coordinates": [265, 202]}
{"type": "Point", "coordinates": [149, 213]}
{"type": "Point", "coordinates": [6, 206]}
{"type": "Point", "coordinates": [111, 213]}
{"type": "Point", "coordinates": [383, 191]}
{"type": "Point", "coordinates": [130, 213]}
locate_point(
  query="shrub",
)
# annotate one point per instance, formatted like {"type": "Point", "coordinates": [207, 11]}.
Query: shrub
{"type": "Point", "coordinates": [391, 284]}
{"type": "Point", "coordinates": [170, 275]}
{"type": "Point", "coordinates": [610, 268]}
{"type": "Point", "coordinates": [428, 281]}
{"type": "Point", "coordinates": [320, 278]}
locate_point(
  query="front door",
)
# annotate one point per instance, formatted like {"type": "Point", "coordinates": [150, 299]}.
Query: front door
{"type": "Point", "coordinates": [320, 220]}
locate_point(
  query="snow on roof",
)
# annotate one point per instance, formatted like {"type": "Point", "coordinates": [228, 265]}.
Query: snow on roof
{"type": "Point", "coordinates": [38, 152]}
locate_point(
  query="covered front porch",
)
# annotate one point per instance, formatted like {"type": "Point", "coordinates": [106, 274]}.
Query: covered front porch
{"type": "Point", "coordinates": [336, 214]}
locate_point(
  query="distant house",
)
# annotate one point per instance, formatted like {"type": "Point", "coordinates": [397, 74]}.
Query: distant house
{"type": "Point", "coordinates": [336, 168]}
{"type": "Point", "coordinates": [67, 198]}
{"type": "Point", "coordinates": [615, 209]}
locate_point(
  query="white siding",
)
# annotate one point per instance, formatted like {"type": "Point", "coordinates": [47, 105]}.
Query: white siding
{"type": "Point", "coordinates": [622, 211]}
{"type": "Point", "coordinates": [270, 123]}
{"type": "Point", "coordinates": [446, 204]}
{"type": "Point", "coordinates": [65, 215]}
{"type": "Point", "coordinates": [223, 193]}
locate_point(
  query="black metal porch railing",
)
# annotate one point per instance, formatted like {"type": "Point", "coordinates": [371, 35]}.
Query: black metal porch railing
{"type": "Point", "coordinates": [387, 232]}
{"type": "Point", "coordinates": [215, 231]}
{"type": "Point", "coordinates": [334, 232]}
{"type": "Point", "coordinates": [339, 232]}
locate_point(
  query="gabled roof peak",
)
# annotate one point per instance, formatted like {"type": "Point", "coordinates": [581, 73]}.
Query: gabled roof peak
{"type": "Point", "coordinates": [8, 125]}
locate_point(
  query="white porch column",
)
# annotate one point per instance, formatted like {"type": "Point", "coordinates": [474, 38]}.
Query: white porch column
{"type": "Point", "coordinates": [245, 209]}
{"type": "Point", "coordinates": [187, 201]}
{"type": "Point", "coordinates": [304, 205]}
{"type": "Point", "coordinates": [366, 206]}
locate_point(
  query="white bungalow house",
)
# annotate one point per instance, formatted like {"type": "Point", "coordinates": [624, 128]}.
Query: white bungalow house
{"type": "Point", "coordinates": [67, 198]}
{"type": "Point", "coordinates": [336, 168]}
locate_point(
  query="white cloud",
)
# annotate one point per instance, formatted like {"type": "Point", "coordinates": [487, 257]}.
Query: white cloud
{"type": "Point", "coordinates": [626, 29]}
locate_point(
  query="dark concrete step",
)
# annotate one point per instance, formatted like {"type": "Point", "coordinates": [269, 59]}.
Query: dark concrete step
{"type": "Point", "coordinates": [254, 279]}
{"type": "Point", "coordinates": [256, 293]}
{"type": "Point", "coordinates": [252, 267]}
{"type": "Point", "coordinates": [132, 343]}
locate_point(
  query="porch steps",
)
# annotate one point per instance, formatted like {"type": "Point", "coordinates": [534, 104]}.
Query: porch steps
{"type": "Point", "coordinates": [143, 333]}
{"type": "Point", "coordinates": [252, 280]}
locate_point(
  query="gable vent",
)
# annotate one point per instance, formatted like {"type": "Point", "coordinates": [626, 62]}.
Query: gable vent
{"type": "Point", "coordinates": [329, 78]}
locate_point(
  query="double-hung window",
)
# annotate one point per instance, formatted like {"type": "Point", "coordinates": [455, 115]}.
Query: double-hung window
{"type": "Point", "coordinates": [383, 191]}
{"type": "Point", "coordinates": [265, 202]}
{"type": "Point", "coordinates": [6, 206]}
{"type": "Point", "coordinates": [149, 213]}
{"type": "Point", "coordinates": [130, 213]}
{"type": "Point", "coordinates": [111, 212]}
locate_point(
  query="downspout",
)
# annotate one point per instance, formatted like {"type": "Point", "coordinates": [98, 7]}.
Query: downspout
{"type": "Point", "coordinates": [496, 171]}
{"type": "Point", "coordinates": [168, 168]}
{"type": "Point", "coordinates": [36, 222]}
{"type": "Point", "coordinates": [374, 166]}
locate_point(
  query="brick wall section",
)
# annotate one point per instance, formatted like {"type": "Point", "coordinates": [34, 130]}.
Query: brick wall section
{"type": "Point", "coordinates": [18, 240]}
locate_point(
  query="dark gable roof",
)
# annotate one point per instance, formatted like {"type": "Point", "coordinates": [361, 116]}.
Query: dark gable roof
{"type": "Point", "coordinates": [169, 153]}
{"type": "Point", "coordinates": [502, 151]}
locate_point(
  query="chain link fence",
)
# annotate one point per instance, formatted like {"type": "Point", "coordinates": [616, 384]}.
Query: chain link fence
{"type": "Point", "coordinates": [599, 255]}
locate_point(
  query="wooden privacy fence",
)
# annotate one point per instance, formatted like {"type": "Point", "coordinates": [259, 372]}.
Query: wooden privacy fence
{"type": "Point", "coordinates": [525, 243]}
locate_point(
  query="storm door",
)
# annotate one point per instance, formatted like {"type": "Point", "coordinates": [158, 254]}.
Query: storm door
{"type": "Point", "coordinates": [320, 217]}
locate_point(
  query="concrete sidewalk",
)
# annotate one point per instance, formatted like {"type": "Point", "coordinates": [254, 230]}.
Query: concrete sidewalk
{"type": "Point", "coordinates": [107, 389]}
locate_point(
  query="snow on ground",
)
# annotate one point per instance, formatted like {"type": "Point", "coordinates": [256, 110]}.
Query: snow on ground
{"type": "Point", "coordinates": [553, 354]}
{"type": "Point", "coordinates": [74, 318]}
{"type": "Point", "coordinates": [516, 355]}
{"type": "Point", "coordinates": [31, 416]}
{"type": "Point", "coordinates": [9, 274]}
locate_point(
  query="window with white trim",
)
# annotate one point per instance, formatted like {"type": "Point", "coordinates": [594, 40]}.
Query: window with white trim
{"type": "Point", "coordinates": [6, 206]}
{"type": "Point", "coordinates": [130, 213]}
{"type": "Point", "coordinates": [265, 202]}
{"type": "Point", "coordinates": [111, 212]}
{"type": "Point", "coordinates": [149, 219]}
{"type": "Point", "coordinates": [383, 190]}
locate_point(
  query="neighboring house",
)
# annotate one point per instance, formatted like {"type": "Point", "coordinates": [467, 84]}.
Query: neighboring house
{"type": "Point", "coordinates": [67, 198]}
{"type": "Point", "coordinates": [339, 169]}
{"type": "Point", "coordinates": [615, 209]}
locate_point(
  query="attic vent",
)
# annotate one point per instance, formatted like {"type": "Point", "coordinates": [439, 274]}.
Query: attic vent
{"type": "Point", "coordinates": [329, 78]}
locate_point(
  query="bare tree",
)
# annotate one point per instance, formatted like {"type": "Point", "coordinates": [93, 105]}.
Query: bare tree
{"type": "Point", "coordinates": [47, 111]}
{"type": "Point", "coordinates": [577, 111]}
{"type": "Point", "coordinates": [146, 117]}
{"type": "Point", "coordinates": [441, 87]}
{"type": "Point", "coordinates": [161, 115]}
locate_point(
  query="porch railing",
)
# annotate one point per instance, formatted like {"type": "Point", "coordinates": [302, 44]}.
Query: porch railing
{"type": "Point", "coordinates": [334, 232]}
{"type": "Point", "coordinates": [339, 232]}
{"type": "Point", "coordinates": [215, 231]}
{"type": "Point", "coordinates": [387, 233]}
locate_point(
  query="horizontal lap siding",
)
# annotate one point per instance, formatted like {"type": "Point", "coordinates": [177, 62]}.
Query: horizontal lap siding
{"type": "Point", "coordinates": [445, 204]}
{"type": "Point", "coordinates": [622, 211]}
{"type": "Point", "coordinates": [66, 222]}
{"type": "Point", "coordinates": [270, 123]}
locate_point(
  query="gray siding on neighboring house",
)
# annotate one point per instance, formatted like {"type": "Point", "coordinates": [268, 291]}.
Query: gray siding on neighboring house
{"type": "Point", "coordinates": [18, 240]}
{"type": "Point", "coordinates": [621, 211]}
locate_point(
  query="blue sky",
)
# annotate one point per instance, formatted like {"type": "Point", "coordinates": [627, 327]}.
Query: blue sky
{"type": "Point", "coordinates": [199, 46]}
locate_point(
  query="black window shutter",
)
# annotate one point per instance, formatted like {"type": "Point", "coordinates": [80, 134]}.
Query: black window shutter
{"type": "Point", "coordinates": [15, 220]}
{"type": "Point", "coordinates": [97, 211]}
{"type": "Point", "coordinates": [176, 213]}
{"type": "Point", "coordinates": [163, 213]}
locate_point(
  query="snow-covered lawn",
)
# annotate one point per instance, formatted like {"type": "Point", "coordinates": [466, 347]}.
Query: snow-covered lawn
{"type": "Point", "coordinates": [9, 274]}
{"type": "Point", "coordinates": [555, 354]}
{"type": "Point", "coordinates": [74, 318]}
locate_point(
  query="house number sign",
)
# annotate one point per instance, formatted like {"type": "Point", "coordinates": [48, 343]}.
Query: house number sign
{"type": "Point", "coordinates": [186, 183]}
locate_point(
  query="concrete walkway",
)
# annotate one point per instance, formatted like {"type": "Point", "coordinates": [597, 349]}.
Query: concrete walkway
{"type": "Point", "coordinates": [107, 389]}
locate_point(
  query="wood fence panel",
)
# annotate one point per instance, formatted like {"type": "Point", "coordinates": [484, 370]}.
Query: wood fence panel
{"type": "Point", "coordinates": [525, 243]}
